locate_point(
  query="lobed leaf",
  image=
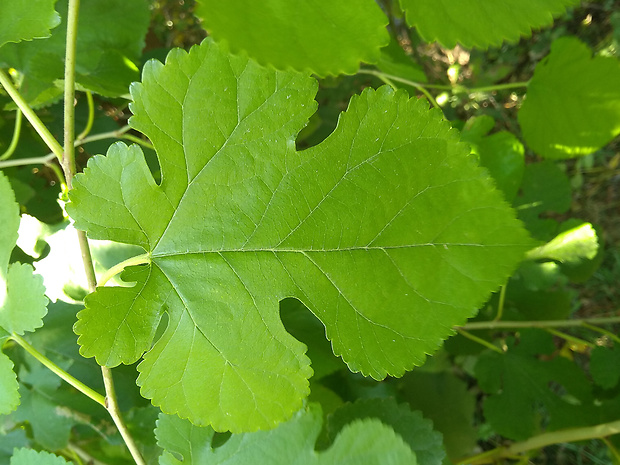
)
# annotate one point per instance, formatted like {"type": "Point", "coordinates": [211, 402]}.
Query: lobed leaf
{"type": "Point", "coordinates": [27, 20]}
{"type": "Point", "coordinates": [387, 231]}
{"type": "Point", "coordinates": [365, 441]}
{"type": "Point", "coordinates": [322, 36]}
{"type": "Point", "coordinates": [481, 23]}
{"type": "Point", "coordinates": [22, 296]}
{"type": "Point", "coordinates": [29, 456]}
{"type": "Point", "coordinates": [572, 105]}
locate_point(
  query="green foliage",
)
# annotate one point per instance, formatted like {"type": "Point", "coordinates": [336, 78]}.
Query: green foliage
{"type": "Point", "coordinates": [480, 23]}
{"type": "Point", "coordinates": [28, 457]}
{"type": "Point", "coordinates": [377, 162]}
{"type": "Point", "coordinates": [110, 41]}
{"type": "Point", "coordinates": [27, 20]}
{"type": "Point", "coordinates": [368, 441]}
{"type": "Point", "coordinates": [300, 35]}
{"type": "Point", "coordinates": [284, 256]}
{"type": "Point", "coordinates": [22, 300]}
{"type": "Point", "coordinates": [573, 104]}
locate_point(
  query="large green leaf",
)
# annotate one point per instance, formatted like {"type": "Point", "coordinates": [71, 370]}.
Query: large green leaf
{"type": "Point", "coordinates": [109, 44]}
{"type": "Point", "coordinates": [572, 105]}
{"type": "Point", "coordinates": [481, 23]}
{"type": "Point", "coordinates": [321, 36]}
{"type": "Point", "coordinates": [26, 20]}
{"type": "Point", "coordinates": [387, 231]}
{"type": "Point", "coordinates": [365, 441]}
{"type": "Point", "coordinates": [22, 300]}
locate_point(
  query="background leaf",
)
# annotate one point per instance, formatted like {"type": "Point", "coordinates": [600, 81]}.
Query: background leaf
{"type": "Point", "coordinates": [322, 37]}
{"type": "Point", "coordinates": [357, 228]}
{"type": "Point", "coordinates": [27, 20]}
{"type": "Point", "coordinates": [29, 456]}
{"type": "Point", "coordinates": [480, 23]}
{"type": "Point", "coordinates": [109, 46]}
{"type": "Point", "coordinates": [361, 441]}
{"type": "Point", "coordinates": [572, 105]}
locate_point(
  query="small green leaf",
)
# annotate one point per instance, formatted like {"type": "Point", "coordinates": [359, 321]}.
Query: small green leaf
{"type": "Point", "coordinates": [570, 246]}
{"type": "Point", "coordinates": [393, 60]}
{"type": "Point", "coordinates": [572, 105]}
{"type": "Point", "coordinates": [9, 395]}
{"type": "Point", "coordinates": [323, 37]}
{"type": "Point", "coordinates": [365, 441]}
{"type": "Point", "coordinates": [358, 228]}
{"type": "Point", "coordinates": [605, 366]}
{"type": "Point", "coordinates": [481, 23]}
{"type": "Point", "coordinates": [27, 20]}
{"type": "Point", "coordinates": [29, 457]}
{"type": "Point", "coordinates": [416, 431]}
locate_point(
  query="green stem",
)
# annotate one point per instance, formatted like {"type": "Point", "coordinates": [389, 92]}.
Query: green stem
{"type": "Point", "coordinates": [602, 331]}
{"type": "Point", "coordinates": [68, 160]}
{"type": "Point", "coordinates": [138, 141]}
{"type": "Point", "coordinates": [476, 325]}
{"type": "Point", "coordinates": [16, 132]}
{"type": "Point", "coordinates": [569, 338]}
{"type": "Point", "coordinates": [500, 305]}
{"type": "Point", "coordinates": [420, 88]}
{"type": "Point", "coordinates": [91, 393]}
{"type": "Point", "coordinates": [543, 440]}
{"type": "Point", "coordinates": [470, 90]}
{"type": "Point", "coordinates": [480, 341]}
{"type": "Point", "coordinates": [116, 269]}
{"type": "Point", "coordinates": [31, 116]}
{"type": "Point", "coordinates": [115, 413]}
{"type": "Point", "coordinates": [68, 163]}
{"type": "Point", "coordinates": [91, 116]}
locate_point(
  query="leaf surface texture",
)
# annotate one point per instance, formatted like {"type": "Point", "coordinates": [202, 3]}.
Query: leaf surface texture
{"type": "Point", "coordinates": [387, 231]}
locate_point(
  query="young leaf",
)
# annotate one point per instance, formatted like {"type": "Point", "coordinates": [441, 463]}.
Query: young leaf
{"type": "Point", "coordinates": [9, 395]}
{"type": "Point", "coordinates": [26, 20]}
{"type": "Point", "coordinates": [29, 456]}
{"type": "Point", "coordinates": [365, 441]}
{"type": "Point", "coordinates": [572, 106]}
{"type": "Point", "coordinates": [416, 431]}
{"type": "Point", "coordinates": [571, 246]}
{"type": "Point", "coordinates": [481, 23]}
{"type": "Point", "coordinates": [387, 231]}
{"type": "Point", "coordinates": [322, 36]}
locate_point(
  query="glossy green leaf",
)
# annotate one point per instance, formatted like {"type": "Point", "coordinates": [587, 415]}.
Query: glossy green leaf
{"type": "Point", "coordinates": [416, 431]}
{"type": "Point", "coordinates": [361, 441]}
{"type": "Point", "coordinates": [26, 20]}
{"type": "Point", "coordinates": [109, 45]}
{"type": "Point", "coordinates": [481, 23]}
{"type": "Point", "coordinates": [358, 228]}
{"type": "Point", "coordinates": [572, 105]}
{"type": "Point", "coordinates": [29, 457]}
{"type": "Point", "coordinates": [322, 36]}
{"type": "Point", "coordinates": [570, 246]}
